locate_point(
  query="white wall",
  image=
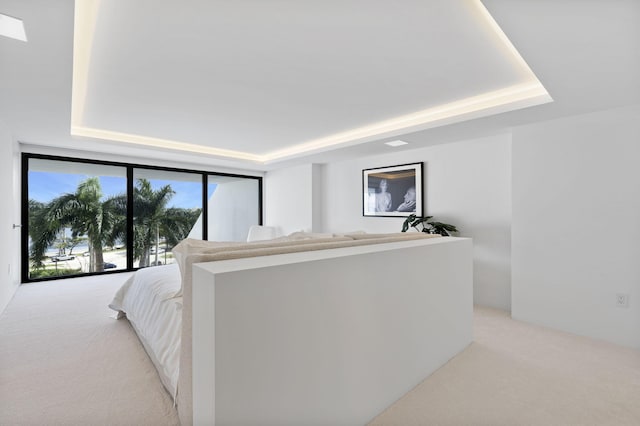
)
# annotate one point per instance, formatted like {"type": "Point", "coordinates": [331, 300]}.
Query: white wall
{"type": "Point", "coordinates": [316, 197]}
{"type": "Point", "coordinates": [9, 214]}
{"type": "Point", "coordinates": [467, 184]}
{"type": "Point", "coordinates": [233, 208]}
{"type": "Point", "coordinates": [291, 198]}
{"type": "Point", "coordinates": [576, 224]}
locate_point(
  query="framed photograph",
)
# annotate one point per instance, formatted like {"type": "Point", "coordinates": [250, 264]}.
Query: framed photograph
{"type": "Point", "coordinates": [394, 191]}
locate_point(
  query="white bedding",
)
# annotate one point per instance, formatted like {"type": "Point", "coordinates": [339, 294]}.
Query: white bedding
{"type": "Point", "coordinates": [149, 302]}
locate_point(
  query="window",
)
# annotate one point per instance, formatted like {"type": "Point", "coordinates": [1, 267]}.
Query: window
{"type": "Point", "coordinates": [76, 218]}
{"type": "Point", "coordinates": [167, 208]}
{"type": "Point", "coordinates": [234, 206]}
{"type": "Point", "coordinates": [84, 217]}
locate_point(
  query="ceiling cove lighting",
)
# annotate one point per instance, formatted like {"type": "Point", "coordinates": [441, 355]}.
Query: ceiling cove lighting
{"type": "Point", "coordinates": [12, 27]}
{"type": "Point", "coordinates": [108, 135]}
{"type": "Point", "coordinates": [525, 94]}
{"type": "Point", "coordinates": [396, 143]}
{"type": "Point", "coordinates": [508, 99]}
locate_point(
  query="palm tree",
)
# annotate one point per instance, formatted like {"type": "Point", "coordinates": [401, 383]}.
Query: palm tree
{"type": "Point", "coordinates": [175, 226]}
{"type": "Point", "coordinates": [149, 209]}
{"type": "Point", "coordinates": [104, 222]}
{"type": "Point", "coordinates": [42, 232]}
{"type": "Point", "coordinates": [85, 214]}
{"type": "Point", "coordinates": [152, 219]}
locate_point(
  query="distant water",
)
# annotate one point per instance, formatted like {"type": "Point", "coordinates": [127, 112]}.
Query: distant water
{"type": "Point", "coordinates": [77, 250]}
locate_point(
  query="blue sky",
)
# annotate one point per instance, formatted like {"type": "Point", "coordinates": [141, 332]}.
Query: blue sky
{"type": "Point", "coordinates": [45, 186]}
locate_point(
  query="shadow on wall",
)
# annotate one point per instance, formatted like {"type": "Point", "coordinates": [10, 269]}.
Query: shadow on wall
{"type": "Point", "coordinates": [491, 264]}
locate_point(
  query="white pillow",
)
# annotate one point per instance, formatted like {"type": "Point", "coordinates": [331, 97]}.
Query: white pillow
{"type": "Point", "coordinates": [261, 233]}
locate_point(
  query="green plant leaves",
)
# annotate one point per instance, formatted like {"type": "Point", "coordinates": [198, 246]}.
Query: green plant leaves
{"type": "Point", "coordinates": [408, 222]}
{"type": "Point", "coordinates": [441, 228]}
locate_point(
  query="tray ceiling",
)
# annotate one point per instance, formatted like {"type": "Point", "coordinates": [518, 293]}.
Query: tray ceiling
{"type": "Point", "coordinates": [264, 81]}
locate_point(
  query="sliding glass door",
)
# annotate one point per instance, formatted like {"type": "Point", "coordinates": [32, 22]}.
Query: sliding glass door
{"type": "Point", "coordinates": [76, 218]}
{"type": "Point", "coordinates": [83, 217]}
{"type": "Point", "coordinates": [167, 208]}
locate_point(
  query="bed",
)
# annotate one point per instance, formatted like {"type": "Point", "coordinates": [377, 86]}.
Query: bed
{"type": "Point", "coordinates": [148, 300]}
{"type": "Point", "coordinates": [181, 314]}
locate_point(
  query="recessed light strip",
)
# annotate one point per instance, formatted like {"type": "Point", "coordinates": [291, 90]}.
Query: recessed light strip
{"type": "Point", "coordinates": [481, 105]}
{"type": "Point", "coordinates": [84, 24]}
{"type": "Point", "coordinates": [107, 135]}
{"type": "Point", "coordinates": [503, 40]}
{"type": "Point", "coordinates": [451, 112]}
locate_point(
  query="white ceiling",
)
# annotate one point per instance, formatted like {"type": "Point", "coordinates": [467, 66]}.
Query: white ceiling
{"type": "Point", "coordinates": [263, 76]}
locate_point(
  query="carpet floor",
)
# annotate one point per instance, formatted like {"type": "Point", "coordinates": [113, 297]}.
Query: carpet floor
{"type": "Point", "coordinates": [65, 361]}
{"type": "Point", "coordinates": [520, 374]}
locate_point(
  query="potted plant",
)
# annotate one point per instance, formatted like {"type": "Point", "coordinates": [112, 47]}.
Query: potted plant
{"type": "Point", "coordinates": [424, 224]}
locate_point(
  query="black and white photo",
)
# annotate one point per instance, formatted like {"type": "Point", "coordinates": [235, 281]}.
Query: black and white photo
{"type": "Point", "coordinates": [393, 191]}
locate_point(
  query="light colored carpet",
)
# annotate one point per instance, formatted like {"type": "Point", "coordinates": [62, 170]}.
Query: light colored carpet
{"type": "Point", "coordinates": [519, 374]}
{"type": "Point", "coordinates": [64, 361]}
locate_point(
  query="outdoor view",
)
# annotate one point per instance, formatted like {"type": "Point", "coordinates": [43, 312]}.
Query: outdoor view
{"type": "Point", "coordinates": [77, 216]}
{"type": "Point", "coordinates": [166, 208]}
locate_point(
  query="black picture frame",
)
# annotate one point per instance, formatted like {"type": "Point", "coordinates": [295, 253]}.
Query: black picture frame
{"type": "Point", "coordinates": [388, 191]}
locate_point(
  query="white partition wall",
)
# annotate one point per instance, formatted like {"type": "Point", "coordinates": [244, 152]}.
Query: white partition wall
{"type": "Point", "coordinates": [326, 337]}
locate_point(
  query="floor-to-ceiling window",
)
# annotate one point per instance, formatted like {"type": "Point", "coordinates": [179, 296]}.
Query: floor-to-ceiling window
{"type": "Point", "coordinates": [166, 209]}
{"type": "Point", "coordinates": [85, 217]}
{"type": "Point", "coordinates": [77, 218]}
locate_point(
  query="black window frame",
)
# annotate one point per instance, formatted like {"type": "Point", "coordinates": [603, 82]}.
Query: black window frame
{"type": "Point", "coordinates": [130, 167]}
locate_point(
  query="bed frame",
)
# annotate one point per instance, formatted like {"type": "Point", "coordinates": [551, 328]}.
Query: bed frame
{"type": "Point", "coordinates": [324, 337]}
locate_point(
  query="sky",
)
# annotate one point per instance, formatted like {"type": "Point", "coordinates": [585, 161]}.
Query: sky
{"type": "Point", "coordinates": [45, 186]}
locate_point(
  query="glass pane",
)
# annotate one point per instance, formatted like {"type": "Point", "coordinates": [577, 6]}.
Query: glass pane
{"type": "Point", "coordinates": [166, 209]}
{"type": "Point", "coordinates": [77, 218]}
{"type": "Point", "coordinates": [234, 206]}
